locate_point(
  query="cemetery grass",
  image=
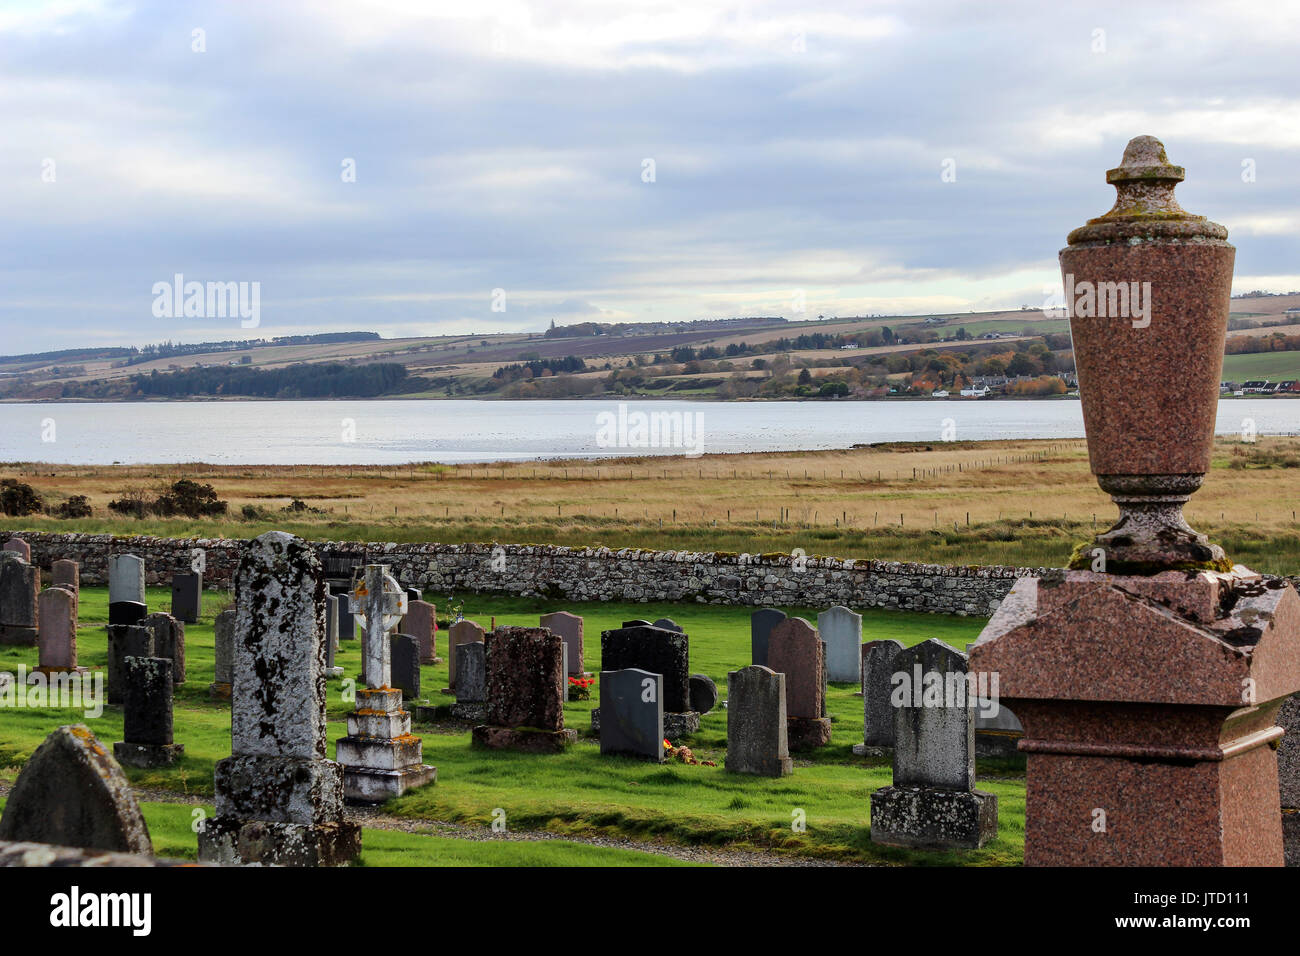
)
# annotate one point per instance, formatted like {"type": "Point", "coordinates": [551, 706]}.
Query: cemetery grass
{"type": "Point", "coordinates": [1025, 503]}
{"type": "Point", "coordinates": [578, 794]}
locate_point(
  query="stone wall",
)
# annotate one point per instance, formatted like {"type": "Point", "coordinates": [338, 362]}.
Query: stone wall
{"type": "Point", "coordinates": [579, 574]}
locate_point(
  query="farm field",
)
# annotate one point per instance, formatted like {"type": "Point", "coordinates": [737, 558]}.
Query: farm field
{"type": "Point", "coordinates": [579, 796]}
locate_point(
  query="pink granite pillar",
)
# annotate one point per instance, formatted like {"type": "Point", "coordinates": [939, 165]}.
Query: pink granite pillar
{"type": "Point", "coordinates": [1148, 679]}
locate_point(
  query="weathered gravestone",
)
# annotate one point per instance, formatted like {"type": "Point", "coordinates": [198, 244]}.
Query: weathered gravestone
{"type": "Point", "coordinates": [187, 596]}
{"type": "Point", "coordinates": [72, 793]}
{"type": "Point", "coordinates": [66, 573]}
{"type": "Point", "coordinates": [380, 756]}
{"type": "Point", "coordinates": [223, 634]}
{"type": "Point", "coordinates": [633, 720]}
{"type": "Point", "coordinates": [761, 623]}
{"type": "Point", "coordinates": [525, 692]}
{"type": "Point", "coordinates": [125, 640]}
{"type": "Point", "coordinates": [569, 627]}
{"type": "Point", "coordinates": [471, 683]}
{"type": "Point", "coordinates": [1288, 776]}
{"type": "Point", "coordinates": [933, 802]}
{"type": "Point", "coordinates": [668, 624]}
{"type": "Point", "coordinates": [147, 717]}
{"type": "Point", "coordinates": [19, 547]}
{"type": "Point", "coordinates": [878, 713]}
{"type": "Point", "coordinates": [168, 641]}
{"type": "Point", "coordinates": [58, 632]}
{"type": "Point", "coordinates": [421, 622]}
{"type": "Point", "coordinates": [127, 603]}
{"type": "Point", "coordinates": [658, 651]}
{"type": "Point", "coordinates": [704, 693]}
{"type": "Point", "coordinates": [841, 631]}
{"type": "Point", "coordinates": [19, 585]}
{"type": "Point", "coordinates": [462, 632]}
{"type": "Point", "coordinates": [795, 650]}
{"type": "Point", "coordinates": [278, 800]}
{"type": "Point", "coordinates": [406, 665]}
{"type": "Point", "coordinates": [757, 726]}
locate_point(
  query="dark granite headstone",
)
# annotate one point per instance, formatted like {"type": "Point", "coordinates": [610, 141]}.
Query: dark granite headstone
{"type": "Point", "coordinates": [347, 623]}
{"type": "Point", "coordinates": [652, 649]}
{"type": "Point", "coordinates": [704, 693]}
{"type": "Point", "coordinates": [187, 596]}
{"type": "Point", "coordinates": [72, 793]}
{"type": "Point", "coordinates": [405, 665]}
{"type": "Point", "coordinates": [761, 623]}
{"type": "Point", "coordinates": [668, 624]}
{"type": "Point", "coordinates": [877, 669]}
{"type": "Point", "coordinates": [168, 641]}
{"type": "Point", "coordinates": [632, 714]}
{"type": "Point", "coordinates": [127, 612]}
{"type": "Point", "coordinates": [20, 583]}
{"type": "Point", "coordinates": [637, 624]}
{"type": "Point", "coordinates": [125, 640]}
{"type": "Point", "coordinates": [471, 674]}
{"type": "Point", "coordinates": [147, 715]}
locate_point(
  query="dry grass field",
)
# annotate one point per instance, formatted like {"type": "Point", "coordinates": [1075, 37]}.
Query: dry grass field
{"type": "Point", "coordinates": [1022, 503]}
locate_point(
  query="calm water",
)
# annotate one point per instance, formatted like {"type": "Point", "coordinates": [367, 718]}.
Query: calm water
{"type": "Point", "coordinates": [391, 432]}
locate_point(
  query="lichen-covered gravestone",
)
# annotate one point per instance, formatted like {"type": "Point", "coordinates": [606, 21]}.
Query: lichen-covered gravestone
{"type": "Point", "coordinates": [525, 692]}
{"type": "Point", "coordinates": [633, 722]}
{"type": "Point", "coordinates": [933, 802]}
{"type": "Point", "coordinates": [756, 723]}
{"type": "Point", "coordinates": [569, 627]}
{"type": "Point", "coordinates": [659, 651]}
{"type": "Point", "coordinates": [223, 631]}
{"type": "Point", "coordinates": [878, 715]}
{"type": "Point", "coordinates": [147, 716]}
{"type": "Point", "coordinates": [761, 623]}
{"type": "Point", "coordinates": [72, 793]}
{"type": "Point", "coordinates": [278, 799]}
{"type": "Point", "coordinates": [19, 585]}
{"type": "Point", "coordinates": [796, 650]}
{"type": "Point", "coordinates": [126, 594]}
{"type": "Point", "coordinates": [841, 631]}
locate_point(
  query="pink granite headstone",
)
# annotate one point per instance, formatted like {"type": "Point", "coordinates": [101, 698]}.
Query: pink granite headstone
{"type": "Point", "coordinates": [421, 624]}
{"type": "Point", "coordinates": [795, 650]}
{"type": "Point", "coordinates": [58, 629]}
{"type": "Point", "coordinates": [19, 546]}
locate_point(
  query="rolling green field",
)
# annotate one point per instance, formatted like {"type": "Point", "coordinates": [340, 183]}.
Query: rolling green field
{"type": "Point", "coordinates": [1274, 366]}
{"type": "Point", "coordinates": [576, 794]}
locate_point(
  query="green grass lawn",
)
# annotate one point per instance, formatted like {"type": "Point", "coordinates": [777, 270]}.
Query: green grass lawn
{"type": "Point", "coordinates": [575, 793]}
{"type": "Point", "coordinates": [1274, 366]}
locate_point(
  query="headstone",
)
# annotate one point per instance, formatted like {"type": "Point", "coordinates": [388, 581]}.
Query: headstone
{"type": "Point", "coordinates": [127, 603]}
{"type": "Point", "coordinates": [332, 622]}
{"type": "Point", "coordinates": [347, 623]}
{"type": "Point", "coordinates": [406, 665]}
{"type": "Point", "coordinates": [761, 623]}
{"type": "Point", "coordinates": [66, 573]}
{"type": "Point", "coordinates": [147, 716]}
{"type": "Point", "coordinates": [21, 547]}
{"type": "Point", "coordinates": [569, 627]}
{"type": "Point", "coordinates": [656, 650]}
{"type": "Point", "coordinates": [422, 624]}
{"type": "Point", "coordinates": [278, 800]}
{"type": "Point", "coordinates": [72, 793]}
{"type": "Point", "coordinates": [58, 631]}
{"type": "Point", "coordinates": [637, 624]}
{"type": "Point", "coordinates": [462, 632]}
{"type": "Point", "coordinates": [125, 640]}
{"type": "Point", "coordinates": [633, 720]}
{"type": "Point", "coordinates": [413, 594]}
{"type": "Point", "coordinates": [525, 692]}
{"type": "Point", "coordinates": [704, 693]}
{"type": "Point", "coordinates": [933, 802]}
{"type": "Point", "coordinates": [223, 640]}
{"type": "Point", "coordinates": [1288, 776]}
{"type": "Point", "coordinates": [878, 714]}
{"type": "Point", "coordinates": [19, 585]}
{"type": "Point", "coordinates": [796, 650]}
{"type": "Point", "coordinates": [471, 683]}
{"type": "Point", "coordinates": [998, 731]}
{"type": "Point", "coordinates": [757, 725]}
{"type": "Point", "coordinates": [187, 596]}
{"type": "Point", "coordinates": [380, 756]}
{"type": "Point", "coordinates": [841, 631]}
{"type": "Point", "coordinates": [168, 641]}
{"type": "Point", "coordinates": [668, 624]}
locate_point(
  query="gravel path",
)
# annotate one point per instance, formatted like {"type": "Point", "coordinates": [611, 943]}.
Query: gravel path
{"type": "Point", "coordinates": [375, 817]}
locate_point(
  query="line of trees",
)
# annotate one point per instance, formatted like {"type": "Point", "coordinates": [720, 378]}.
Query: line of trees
{"type": "Point", "coordinates": [325, 380]}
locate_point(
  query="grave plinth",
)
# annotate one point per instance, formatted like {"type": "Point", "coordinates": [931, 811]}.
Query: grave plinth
{"type": "Point", "coordinates": [1148, 687]}
{"type": "Point", "coordinates": [381, 758]}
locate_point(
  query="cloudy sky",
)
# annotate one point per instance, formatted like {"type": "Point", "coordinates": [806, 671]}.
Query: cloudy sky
{"type": "Point", "coordinates": [791, 149]}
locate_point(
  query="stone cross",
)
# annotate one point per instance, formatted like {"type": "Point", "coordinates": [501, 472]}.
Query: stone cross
{"type": "Point", "coordinates": [378, 602]}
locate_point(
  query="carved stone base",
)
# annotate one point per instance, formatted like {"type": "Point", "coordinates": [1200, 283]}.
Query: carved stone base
{"type": "Point", "coordinates": [233, 842]}
{"type": "Point", "coordinates": [807, 733]}
{"type": "Point", "coordinates": [147, 755]}
{"type": "Point", "coordinates": [933, 819]}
